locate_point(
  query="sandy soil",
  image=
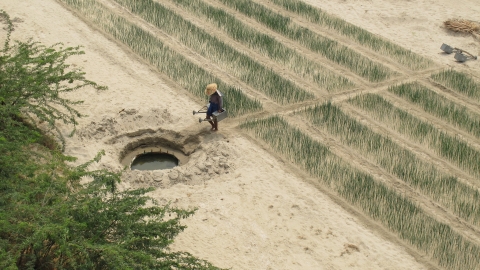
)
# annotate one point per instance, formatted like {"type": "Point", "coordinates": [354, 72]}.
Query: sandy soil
{"type": "Point", "coordinates": [416, 25]}
{"type": "Point", "coordinates": [255, 210]}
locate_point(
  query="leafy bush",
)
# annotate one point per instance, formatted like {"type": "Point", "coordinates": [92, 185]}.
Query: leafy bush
{"type": "Point", "coordinates": [53, 215]}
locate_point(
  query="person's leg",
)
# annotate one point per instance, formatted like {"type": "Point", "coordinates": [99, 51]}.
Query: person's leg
{"type": "Point", "coordinates": [215, 124]}
{"type": "Point", "coordinates": [212, 108]}
{"type": "Point", "coordinates": [211, 122]}
{"type": "Point", "coordinates": [210, 111]}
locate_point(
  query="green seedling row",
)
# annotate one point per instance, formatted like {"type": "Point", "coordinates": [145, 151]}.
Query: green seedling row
{"type": "Point", "coordinates": [459, 82]}
{"type": "Point", "coordinates": [445, 189]}
{"type": "Point", "coordinates": [382, 204]}
{"type": "Point", "coordinates": [179, 69]}
{"type": "Point", "coordinates": [241, 65]}
{"type": "Point", "coordinates": [451, 148]}
{"type": "Point", "coordinates": [361, 36]}
{"type": "Point", "coordinates": [328, 48]}
{"type": "Point", "coordinates": [439, 106]}
{"type": "Point", "coordinates": [268, 46]}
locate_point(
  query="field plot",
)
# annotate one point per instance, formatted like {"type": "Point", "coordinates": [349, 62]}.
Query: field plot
{"type": "Point", "coordinates": [463, 200]}
{"type": "Point", "coordinates": [269, 46]}
{"type": "Point", "coordinates": [327, 83]}
{"type": "Point", "coordinates": [445, 145]}
{"type": "Point", "coordinates": [184, 72]}
{"type": "Point", "coordinates": [330, 49]}
{"type": "Point", "coordinates": [440, 106]}
{"type": "Point", "coordinates": [362, 190]}
{"type": "Point", "coordinates": [459, 82]}
{"type": "Point", "coordinates": [357, 34]}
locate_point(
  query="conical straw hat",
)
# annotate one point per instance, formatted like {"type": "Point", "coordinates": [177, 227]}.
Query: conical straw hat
{"type": "Point", "coordinates": [211, 88]}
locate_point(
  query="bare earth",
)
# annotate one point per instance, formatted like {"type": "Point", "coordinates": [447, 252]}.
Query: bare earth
{"type": "Point", "coordinates": [255, 210]}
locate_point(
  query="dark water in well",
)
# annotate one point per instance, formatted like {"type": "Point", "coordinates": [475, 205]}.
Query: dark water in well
{"type": "Point", "coordinates": [154, 161]}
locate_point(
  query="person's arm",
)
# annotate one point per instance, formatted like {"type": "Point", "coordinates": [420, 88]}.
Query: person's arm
{"type": "Point", "coordinates": [220, 101]}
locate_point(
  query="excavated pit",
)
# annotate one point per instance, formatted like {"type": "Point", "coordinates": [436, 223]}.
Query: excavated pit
{"type": "Point", "coordinates": [153, 156]}
{"type": "Point", "coordinates": [154, 161]}
{"type": "Point", "coordinates": [158, 150]}
{"type": "Point", "coordinates": [200, 158]}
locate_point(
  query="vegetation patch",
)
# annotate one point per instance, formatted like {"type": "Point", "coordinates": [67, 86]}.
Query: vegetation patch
{"type": "Point", "coordinates": [174, 65]}
{"type": "Point", "coordinates": [439, 106]}
{"type": "Point", "coordinates": [330, 49]}
{"type": "Point", "coordinates": [269, 46]}
{"type": "Point", "coordinates": [451, 148]}
{"type": "Point", "coordinates": [241, 65]}
{"type": "Point", "coordinates": [459, 82]}
{"type": "Point", "coordinates": [394, 211]}
{"type": "Point", "coordinates": [445, 189]}
{"type": "Point", "coordinates": [357, 34]}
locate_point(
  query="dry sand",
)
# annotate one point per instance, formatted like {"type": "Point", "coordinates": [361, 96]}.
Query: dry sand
{"type": "Point", "coordinates": [255, 210]}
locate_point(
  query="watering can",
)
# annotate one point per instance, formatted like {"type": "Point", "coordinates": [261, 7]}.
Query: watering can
{"type": "Point", "coordinates": [218, 116]}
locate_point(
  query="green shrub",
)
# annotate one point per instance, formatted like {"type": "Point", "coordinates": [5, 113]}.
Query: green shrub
{"type": "Point", "coordinates": [48, 218]}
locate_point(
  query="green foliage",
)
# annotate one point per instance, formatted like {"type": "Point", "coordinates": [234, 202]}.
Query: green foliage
{"type": "Point", "coordinates": [49, 220]}
{"type": "Point", "coordinates": [459, 82]}
{"type": "Point", "coordinates": [33, 77]}
{"type": "Point", "coordinates": [57, 216]}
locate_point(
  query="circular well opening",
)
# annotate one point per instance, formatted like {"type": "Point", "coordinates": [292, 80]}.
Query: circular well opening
{"type": "Point", "coordinates": [153, 157]}
{"type": "Point", "coordinates": [154, 161]}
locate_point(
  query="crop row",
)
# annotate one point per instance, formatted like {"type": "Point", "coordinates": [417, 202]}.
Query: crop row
{"type": "Point", "coordinates": [357, 34]}
{"type": "Point", "coordinates": [179, 69]}
{"type": "Point", "coordinates": [394, 211]}
{"type": "Point", "coordinates": [268, 46]}
{"type": "Point", "coordinates": [451, 148]}
{"type": "Point", "coordinates": [459, 82]}
{"type": "Point", "coordinates": [445, 189]}
{"type": "Point", "coordinates": [330, 49]}
{"type": "Point", "coordinates": [223, 55]}
{"type": "Point", "coordinates": [439, 106]}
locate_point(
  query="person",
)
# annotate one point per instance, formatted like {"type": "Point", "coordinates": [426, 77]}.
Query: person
{"type": "Point", "coordinates": [215, 104]}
